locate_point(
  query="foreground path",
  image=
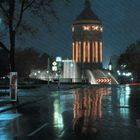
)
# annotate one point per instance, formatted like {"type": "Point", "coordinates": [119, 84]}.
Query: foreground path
{"type": "Point", "coordinates": [100, 113]}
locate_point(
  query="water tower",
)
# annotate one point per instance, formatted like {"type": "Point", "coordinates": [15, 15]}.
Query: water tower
{"type": "Point", "coordinates": [87, 39]}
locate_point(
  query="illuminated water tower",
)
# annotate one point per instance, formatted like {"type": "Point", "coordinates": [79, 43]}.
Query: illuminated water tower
{"type": "Point", "coordinates": [87, 39]}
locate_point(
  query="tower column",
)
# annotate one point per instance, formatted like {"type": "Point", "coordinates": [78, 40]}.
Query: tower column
{"type": "Point", "coordinates": [99, 52]}
{"type": "Point", "coordinates": [96, 51]}
{"type": "Point", "coordinates": [88, 52]}
{"type": "Point", "coordinates": [91, 52]}
{"type": "Point", "coordinates": [77, 51]}
{"type": "Point", "coordinates": [73, 51]}
{"type": "Point", "coordinates": [84, 52]}
{"type": "Point", "coordinates": [82, 48]}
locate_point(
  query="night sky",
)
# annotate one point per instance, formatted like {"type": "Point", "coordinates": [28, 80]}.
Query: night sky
{"type": "Point", "coordinates": [120, 19]}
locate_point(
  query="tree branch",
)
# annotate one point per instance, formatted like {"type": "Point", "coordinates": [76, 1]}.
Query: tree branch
{"type": "Point", "coordinates": [4, 11]}
{"type": "Point", "coordinates": [20, 15]}
{"type": "Point", "coordinates": [11, 14]}
{"type": "Point", "coordinates": [29, 5]}
{"type": "Point", "coordinates": [3, 46]}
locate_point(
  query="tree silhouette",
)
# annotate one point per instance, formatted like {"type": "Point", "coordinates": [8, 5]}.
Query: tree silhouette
{"type": "Point", "coordinates": [131, 58]}
{"type": "Point", "coordinates": [13, 13]}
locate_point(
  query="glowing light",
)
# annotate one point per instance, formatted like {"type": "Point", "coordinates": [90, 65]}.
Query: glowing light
{"type": "Point", "coordinates": [76, 51]}
{"type": "Point", "coordinates": [101, 29]}
{"type": "Point", "coordinates": [123, 73]}
{"type": "Point", "coordinates": [128, 74]}
{"type": "Point", "coordinates": [118, 71]}
{"type": "Point", "coordinates": [84, 53]}
{"type": "Point", "coordinates": [73, 51]}
{"type": "Point", "coordinates": [39, 71]}
{"type": "Point", "coordinates": [92, 28]}
{"type": "Point", "coordinates": [71, 65]}
{"type": "Point", "coordinates": [35, 74]}
{"type": "Point", "coordinates": [96, 27]}
{"type": "Point", "coordinates": [110, 67]}
{"type": "Point", "coordinates": [79, 51]}
{"type": "Point", "coordinates": [96, 46]}
{"type": "Point", "coordinates": [54, 63]}
{"type": "Point", "coordinates": [86, 28]}
{"type": "Point", "coordinates": [88, 52]}
{"type": "Point", "coordinates": [54, 68]}
{"type": "Point", "coordinates": [101, 52]}
{"type": "Point", "coordinates": [58, 59]}
{"type": "Point", "coordinates": [92, 51]}
{"type": "Point", "coordinates": [123, 66]}
{"type": "Point", "coordinates": [72, 29]}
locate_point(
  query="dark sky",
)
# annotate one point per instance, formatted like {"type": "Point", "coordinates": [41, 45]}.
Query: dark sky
{"type": "Point", "coordinates": [120, 19]}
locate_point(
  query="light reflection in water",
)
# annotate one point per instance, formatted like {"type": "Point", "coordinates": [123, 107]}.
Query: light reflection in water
{"type": "Point", "coordinates": [123, 94]}
{"type": "Point", "coordinates": [11, 118]}
{"type": "Point", "coordinates": [57, 114]}
{"type": "Point", "coordinates": [88, 107]}
{"type": "Point", "coordinates": [62, 103]}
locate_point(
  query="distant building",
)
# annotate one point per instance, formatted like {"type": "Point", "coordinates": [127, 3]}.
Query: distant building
{"type": "Point", "coordinates": [87, 39]}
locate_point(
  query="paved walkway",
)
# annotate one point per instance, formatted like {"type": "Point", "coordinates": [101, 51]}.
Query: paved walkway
{"type": "Point", "coordinates": [27, 96]}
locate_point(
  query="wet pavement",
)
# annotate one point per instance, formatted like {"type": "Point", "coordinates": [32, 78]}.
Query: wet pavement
{"type": "Point", "coordinates": [89, 113]}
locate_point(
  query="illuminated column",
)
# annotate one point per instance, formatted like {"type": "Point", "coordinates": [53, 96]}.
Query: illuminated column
{"type": "Point", "coordinates": [77, 52]}
{"type": "Point", "coordinates": [93, 52]}
{"type": "Point", "coordinates": [88, 52]}
{"type": "Point", "coordinates": [82, 45]}
{"type": "Point", "coordinates": [73, 52]}
{"type": "Point", "coordinates": [101, 52]}
{"type": "Point", "coordinates": [84, 51]}
{"type": "Point", "coordinates": [96, 51]}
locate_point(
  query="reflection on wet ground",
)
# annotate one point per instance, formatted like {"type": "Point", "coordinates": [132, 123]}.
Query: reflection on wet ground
{"type": "Point", "coordinates": [98, 111]}
{"type": "Point", "coordinates": [88, 108]}
{"type": "Point", "coordinates": [5, 118]}
{"type": "Point", "coordinates": [89, 113]}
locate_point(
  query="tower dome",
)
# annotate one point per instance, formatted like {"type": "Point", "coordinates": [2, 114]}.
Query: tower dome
{"type": "Point", "coordinates": [87, 15]}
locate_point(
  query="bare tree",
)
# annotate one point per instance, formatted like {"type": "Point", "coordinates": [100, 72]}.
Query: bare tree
{"type": "Point", "coordinates": [13, 13]}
